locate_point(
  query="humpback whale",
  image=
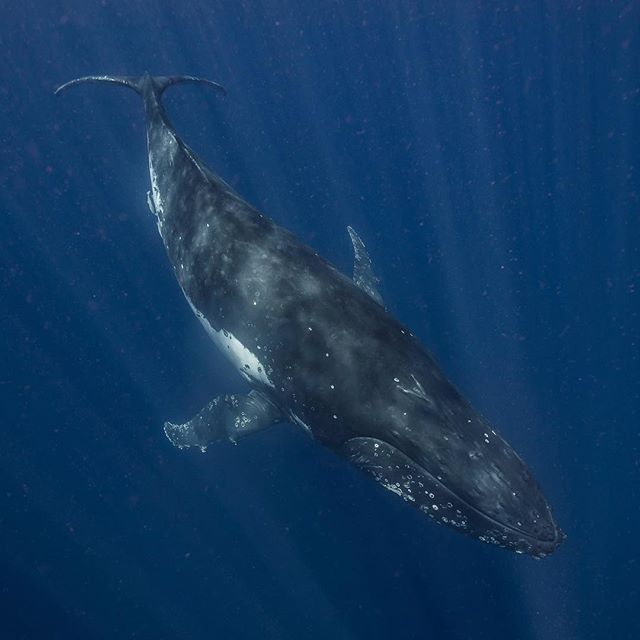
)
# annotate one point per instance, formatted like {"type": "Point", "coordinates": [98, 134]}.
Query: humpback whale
{"type": "Point", "coordinates": [319, 349]}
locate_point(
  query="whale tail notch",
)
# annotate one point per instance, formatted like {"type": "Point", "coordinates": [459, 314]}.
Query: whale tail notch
{"type": "Point", "coordinates": [157, 84]}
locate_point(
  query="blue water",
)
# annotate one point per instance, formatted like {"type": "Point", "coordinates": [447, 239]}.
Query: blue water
{"type": "Point", "coordinates": [487, 153]}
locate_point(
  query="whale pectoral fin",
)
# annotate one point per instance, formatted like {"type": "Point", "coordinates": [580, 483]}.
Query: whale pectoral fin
{"type": "Point", "coordinates": [225, 417]}
{"type": "Point", "coordinates": [386, 464]}
{"type": "Point", "coordinates": [363, 274]}
{"type": "Point", "coordinates": [370, 455]}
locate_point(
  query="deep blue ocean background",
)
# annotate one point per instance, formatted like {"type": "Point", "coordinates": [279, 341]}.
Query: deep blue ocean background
{"type": "Point", "coordinates": [487, 153]}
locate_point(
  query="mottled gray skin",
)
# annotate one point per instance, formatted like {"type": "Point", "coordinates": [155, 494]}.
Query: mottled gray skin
{"type": "Point", "coordinates": [334, 360]}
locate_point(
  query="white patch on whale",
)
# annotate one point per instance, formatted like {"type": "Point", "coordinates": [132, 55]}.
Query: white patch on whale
{"type": "Point", "coordinates": [300, 423]}
{"type": "Point", "coordinates": [168, 150]}
{"type": "Point", "coordinates": [242, 358]}
{"type": "Point", "coordinates": [156, 198]}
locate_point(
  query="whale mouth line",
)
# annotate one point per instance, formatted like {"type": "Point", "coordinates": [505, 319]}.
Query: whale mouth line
{"type": "Point", "coordinates": [547, 542]}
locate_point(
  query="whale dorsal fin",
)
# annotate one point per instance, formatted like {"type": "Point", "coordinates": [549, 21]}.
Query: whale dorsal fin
{"type": "Point", "coordinates": [363, 274]}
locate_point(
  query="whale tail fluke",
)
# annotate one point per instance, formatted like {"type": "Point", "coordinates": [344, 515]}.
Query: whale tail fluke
{"type": "Point", "coordinates": [139, 83]}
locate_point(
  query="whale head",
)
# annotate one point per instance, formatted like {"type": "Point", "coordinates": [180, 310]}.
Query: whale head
{"type": "Point", "coordinates": [443, 458]}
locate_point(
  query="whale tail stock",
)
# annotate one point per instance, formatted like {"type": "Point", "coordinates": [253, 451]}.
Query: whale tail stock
{"type": "Point", "coordinates": [139, 84]}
